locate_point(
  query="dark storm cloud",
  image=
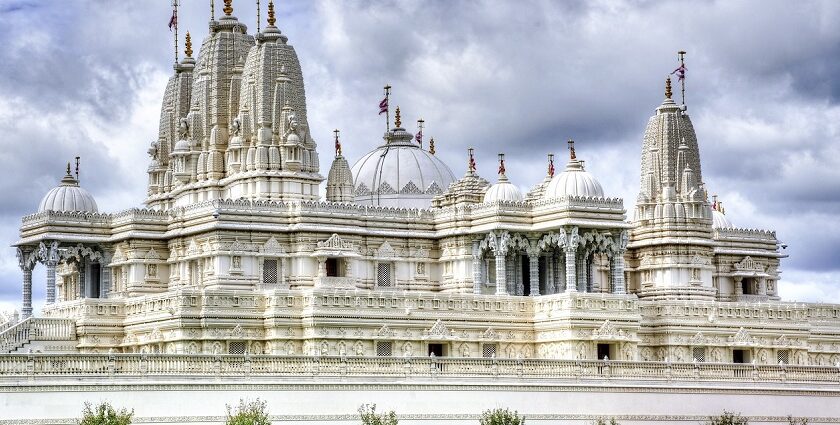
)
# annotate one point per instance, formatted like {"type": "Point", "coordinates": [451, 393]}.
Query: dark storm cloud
{"type": "Point", "coordinates": [503, 76]}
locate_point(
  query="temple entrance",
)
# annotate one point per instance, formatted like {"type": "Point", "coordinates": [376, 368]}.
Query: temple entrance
{"type": "Point", "coordinates": [606, 350]}
{"type": "Point", "coordinates": [740, 356]}
{"type": "Point", "coordinates": [438, 350]}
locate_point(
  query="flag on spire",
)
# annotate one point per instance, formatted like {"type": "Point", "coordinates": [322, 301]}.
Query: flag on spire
{"type": "Point", "coordinates": [419, 137]}
{"type": "Point", "coordinates": [680, 72]}
{"type": "Point", "coordinates": [383, 106]}
{"type": "Point", "coordinates": [551, 165]}
{"type": "Point", "coordinates": [173, 21]}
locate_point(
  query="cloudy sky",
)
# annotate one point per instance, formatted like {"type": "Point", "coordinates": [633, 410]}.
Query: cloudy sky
{"type": "Point", "coordinates": [87, 77]}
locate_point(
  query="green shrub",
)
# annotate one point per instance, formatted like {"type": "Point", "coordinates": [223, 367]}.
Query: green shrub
{"type": "Point", "coordinates": [727, 418]}
{"type": "Point", "coordinates": [105, 414]}
{"type": "Point", "coordinates": [367, 412]}
{"type": "Point", "coordinates": [248, 413]}
{"type": "Point", "coordinates": [501, 417]}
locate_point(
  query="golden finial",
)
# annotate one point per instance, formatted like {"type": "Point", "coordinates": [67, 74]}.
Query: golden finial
{"type": "Point", "coordinates": [432, 146]}
{"type": "Point", "coordinates": [571, 149]}
{"type": "Point", "coordinates": [668, 87]}
{"type": "Point", "coordinates": [271, 19]}
{"type": "Point", "coordinates": [228, 9]}
{"type": "Point", "coordinates": [188, 50]}
{"type": "Point", "coordinates": [398, 121]}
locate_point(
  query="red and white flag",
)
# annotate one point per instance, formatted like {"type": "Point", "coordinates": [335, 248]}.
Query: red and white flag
{"type": "Point", "coordinates": [383, 106]}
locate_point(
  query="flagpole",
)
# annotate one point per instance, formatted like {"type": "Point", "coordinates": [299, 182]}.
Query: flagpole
{"type": "Point", "coordinates": [681, 54]}
{"type": "Point", "coordinates": [175, 14]}
{"type": "Point", "coordinates": [258, 16]}
{"type": "Point", "coordinates": [388, 108]}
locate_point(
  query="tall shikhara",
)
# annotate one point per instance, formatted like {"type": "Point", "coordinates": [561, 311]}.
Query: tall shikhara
{"type": "Point", "coordinates": [671, 251]}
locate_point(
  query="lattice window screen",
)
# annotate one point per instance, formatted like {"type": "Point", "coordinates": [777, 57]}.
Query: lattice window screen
{"type": "Point", "coordinates": [783, 356]}
{"type": "Point", "coordinates": [489, 350]}
{"type": "Point", "coordinates": [384, 275]}
{"type": "Point", "coordinates": [699, 354]}
{"type": "Point", "coordinates": [236, 347]}
{"type": "Point", "coordinates": [269, 271]}
{"type": "Point", "coordinates": [384, 348]}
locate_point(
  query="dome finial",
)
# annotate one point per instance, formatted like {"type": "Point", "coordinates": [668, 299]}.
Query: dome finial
{"type": "Point", "coordinates": [397, 120]}
{"type": "Point", "coordinates": [337, 143]}
{"type": "Point", "coordinates": [271, 18]}
{"type": "Point", "coordinates": [571, 149]}
{"type": "Point", "coordinates": [668, 87]}
{"type": "Point", "coordinates": [551, 165]}
{"type": "Point", "coordinates": [501, 165]}
{"type": "Point", "coordinates": [715, 203]}
{"type": "Point", "coordinates": [432, 146]}
{"type": "Point", "coordinates": [188, 51]}
{"type": "Point", "coordinates": [228, 9]}
{"type": "Point", "coordinates": [471, 163]}
{"type": "Point", "coordinates": [68, 169]}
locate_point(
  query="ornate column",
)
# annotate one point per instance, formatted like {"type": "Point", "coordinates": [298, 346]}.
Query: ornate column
{"type": "Point", "coordinates": [571, 254]}
{"type": "Point", "coordinates": [51, 261]}
{"type": "Point", "coordinates": [762, 286]}
{"type": "Point", "coordinates": [501, 274]}
{"type": "Point", "coordinates": [476, 268]}
{"type": "Point", "coordinates": [617, 269]}
{"type": "Point", "coordinates": [534, 272]}
{"type": "Point", "coordinates": [739, 289]}
{"type": "Point", "coordinates": [510, 267]}
{"type": "Point", "coordinates": [561, 277]}
{"type": "Point", "coordinates": [105, 273]}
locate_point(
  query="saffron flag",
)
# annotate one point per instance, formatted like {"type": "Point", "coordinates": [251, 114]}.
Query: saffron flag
{"type": "Point", "coordinates": [173, 21]}
{"type": "Point", "coordinates": [680, 72]}
{"type": "Point", "coordinates": [383, 106]}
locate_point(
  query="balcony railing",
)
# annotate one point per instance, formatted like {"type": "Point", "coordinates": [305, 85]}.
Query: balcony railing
{"type": "Point", "coordinates": [51, 366]}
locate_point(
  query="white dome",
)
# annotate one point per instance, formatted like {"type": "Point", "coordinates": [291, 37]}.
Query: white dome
{"type": "Point", "coordinates": [68, 196]}
{"type": "Point", "coordinates": [182, 146]}
{"type": "Point", "coordinates": [503, 190]}
{"type": "Point", "coordinates": [399, 174]}
{"type": "Point", "coordinates": [719, 221]}
{"type": "Point", "coordinates": [574, 181]}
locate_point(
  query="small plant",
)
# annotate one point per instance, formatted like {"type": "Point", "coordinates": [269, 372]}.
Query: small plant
{"type": "Point", "coordinates": [248, 413]}
{"type": "Point", "coordinates": [367, 412]}
{"type": "Point", "coordinates": [797, 421]}
{"type": "Point", "coordinates": [727, 418]}
{"type": "Point", "coordinates": [105, 414]}
{"type": "Point", "coordinates": [602, 421]}
{"type": "Point", "coordinates": [501, 417]}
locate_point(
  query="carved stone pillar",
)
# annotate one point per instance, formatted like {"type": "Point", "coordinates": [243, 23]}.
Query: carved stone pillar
{"type": "Point", "coordinates": [26, 311]}
{"type": "Point", "coordinates": [762, 286]}
{"type": "Point", "coordinates": [617, 270]}
{"type": "Point", "coordinates": [571, 272]}
{"type": "Point", "coordinates": [105, 273]}
{"type": "Point", "coordinates": [476, 268]}
{"type": "Point", "coordinates": [739, 288]}
{"type": "Point", "coordinates": [501, 274]}
{"type": "Point", "coordinates": [561, 276]}
{"type": "Point", "coordinates": [534, 273]}
{"type": "Point", "coordinates": [511, 280]}
{"type": "Point", "coordinates": [50, 282]}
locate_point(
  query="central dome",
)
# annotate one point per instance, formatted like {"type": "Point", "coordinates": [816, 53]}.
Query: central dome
{"type": "Point", "coordinates": [574, 181]}
{"type": "Point", "coordinates": [399, 174]}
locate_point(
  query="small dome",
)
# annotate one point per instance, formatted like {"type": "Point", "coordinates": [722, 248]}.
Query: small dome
{"type": "Point", "coordinates": [399, 174]}
{"type": "Point", "coordinates": [68, 196]}
{"type": "Point", "coordinates": [503, 190]}
{"type": "Point", "coordinates": [574, 181]}
{"type": "Point", "coordinates": [182, 146]}
{"type": "Point", "coordinates": [719, 221]}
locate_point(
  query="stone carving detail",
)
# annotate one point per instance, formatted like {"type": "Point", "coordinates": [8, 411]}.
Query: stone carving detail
{"type": "Point", "coordinates": [335, 242]}
{"type": "Point", "coordinates": [152, 255]}
{"type": "Point", "coordinates": [608, 331]}
{"type": "Point", "coordinates": [439, 329]}
{"type": "Point", "coordinates": [385, 331]}
{"type": "Point", "coordinates": [386, 251]}
{"type": "Point", "coordinates": [742, 337]}
{"type": "Point", "coordinates": [490, 334]}
{"type": "Point", "coordinates": [272, 247]}
{"type": "Point", "coordinates": [748, 264]}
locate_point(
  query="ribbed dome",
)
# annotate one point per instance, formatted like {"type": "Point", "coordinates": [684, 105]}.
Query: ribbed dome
{"type": "Point", "coordinates": [503, 190]}
{"type": "Point", "coordinates": [400, 174]}
{"type": "Point", "coordinates": [719, 221]}
{"type": "Point", "coordinates": [574, 181]}
{"type": "Point", "coordinates": [68, 196]}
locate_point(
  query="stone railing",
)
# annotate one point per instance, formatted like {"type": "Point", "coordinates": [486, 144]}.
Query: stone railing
{"type": "Point", "coordinates": [36, 329]}
{"type": "Point", "coordinates": [13, 366]}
